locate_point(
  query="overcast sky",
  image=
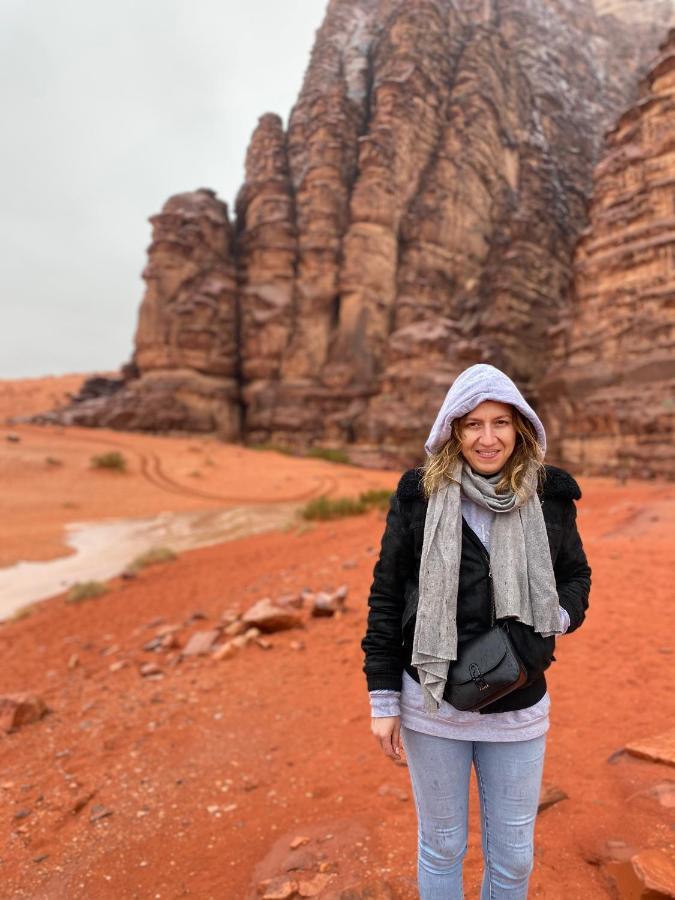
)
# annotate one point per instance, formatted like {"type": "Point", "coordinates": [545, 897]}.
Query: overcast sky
{"type": "Point", "coordinates": [108, 108]}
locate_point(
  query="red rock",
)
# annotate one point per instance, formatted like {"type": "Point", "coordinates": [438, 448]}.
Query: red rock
{"type": "Point", "coordinates": [548, 795]}
{"type": "Point", "coordinates": [201, 642]}
{"type": "Point", "coordinates": [235, 628]}
{"type": "Point", "coordinates": [656, 870]}
{"type": "Point", "coordinates": [280, 888]}
{"type": "Point", "coordinates": [20, 709]}
{"type": "Point", "coordinates": [294, 600]}
{"type": "Point", "coordinates": [314, 886]}
{"type": "Point", "coordinates": [325, 604]}
{"type": "Point", "coordinates": [609, 396]}
{"type": "Point", "coordinates": [150, 670]}
{"type": "Point", "coordinates": [298, 842]}
{"type": "Point", "coordinates": [224, 651]}
{"type": "Point", "coordinates": [418, 214]}
{"type": "Point", "coordinates": [268, 617]}
{"type": "Point", "coordinates": [659, 748]}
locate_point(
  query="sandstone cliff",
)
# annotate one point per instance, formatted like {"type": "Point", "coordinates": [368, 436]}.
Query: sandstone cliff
{"type": "Point", "coordinates": [610, 399]}
{"type": "Point", "coordinates": [419, 213]}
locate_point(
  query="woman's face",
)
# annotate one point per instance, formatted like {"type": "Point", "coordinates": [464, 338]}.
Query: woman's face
{"type": "Point", "coordinates": [488, 436]}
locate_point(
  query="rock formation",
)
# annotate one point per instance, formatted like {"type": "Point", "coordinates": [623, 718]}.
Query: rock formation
{"type": "Point", "coordinates": [184, 374]}
{"type": "Point", "coordinates": [610, 397]}
{"type": "Point", "coordinates": [419, 214]}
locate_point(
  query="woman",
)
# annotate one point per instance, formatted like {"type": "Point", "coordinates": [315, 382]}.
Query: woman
{"type": "Point", "coordinates": [483, 508]}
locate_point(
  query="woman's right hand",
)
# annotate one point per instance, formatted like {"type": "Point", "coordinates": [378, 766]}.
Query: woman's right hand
{"type": "Point", "coordinates": [387, 730]}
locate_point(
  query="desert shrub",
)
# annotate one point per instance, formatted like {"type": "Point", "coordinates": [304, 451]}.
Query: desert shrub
{"type": "Point", "coordinates": [330, 454]}
{"type": "Point", "coordinates": [22, 612]}
{"type": "Point", "coordinates": [277, 448]}
{"type": "Point", "coordinates": [111, 460]}
{"type": "Point", "coordinates": [151, 557]}
{"type": "Point", "coordinates": [85, 590]}
{"type": "Point", "coordinates": [376, 498]}
{"type": "Point", "coordinates": [333, 507]}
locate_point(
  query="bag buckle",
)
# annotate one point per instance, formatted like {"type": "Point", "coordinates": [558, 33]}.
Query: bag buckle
{"type": "Point", "coordinates": [477, 677]}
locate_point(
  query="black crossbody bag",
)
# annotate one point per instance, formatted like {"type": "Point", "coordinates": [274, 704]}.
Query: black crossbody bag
{"type": "Point", "coordinates": [487, 666]}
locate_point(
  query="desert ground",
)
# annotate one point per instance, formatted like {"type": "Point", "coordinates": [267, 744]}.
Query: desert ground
{"type": "Point", "coordinates": [256, 774]}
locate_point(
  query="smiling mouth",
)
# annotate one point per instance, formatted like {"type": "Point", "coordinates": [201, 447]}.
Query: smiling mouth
{"type": "Point", "coordinates": [488, 454]}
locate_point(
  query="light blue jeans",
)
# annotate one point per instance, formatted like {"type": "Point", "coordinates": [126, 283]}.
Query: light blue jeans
{"type": "Point", "coordinates": [509, 775]}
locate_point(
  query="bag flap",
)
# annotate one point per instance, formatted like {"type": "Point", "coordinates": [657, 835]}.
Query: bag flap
{"type": "Point", "coordinates": [486, 651]}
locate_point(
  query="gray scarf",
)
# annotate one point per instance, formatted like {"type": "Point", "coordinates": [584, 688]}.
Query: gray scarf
{"type": "Point", "coordinates": [520, 561]}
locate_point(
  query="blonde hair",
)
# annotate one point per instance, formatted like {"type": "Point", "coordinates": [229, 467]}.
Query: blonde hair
{"type": "Point", "coordinates": [436, 470]}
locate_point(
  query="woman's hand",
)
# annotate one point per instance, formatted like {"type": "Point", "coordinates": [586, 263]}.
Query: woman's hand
{"type": "Point", "coordinates": [387, 730]}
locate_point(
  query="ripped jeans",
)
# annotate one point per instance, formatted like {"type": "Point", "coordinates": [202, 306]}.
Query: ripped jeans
{"type": "Point", "coordinates": [509, 775]}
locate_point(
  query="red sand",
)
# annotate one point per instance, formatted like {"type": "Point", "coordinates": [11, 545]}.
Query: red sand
{"type": "Point", "coordinates": [277, 742]}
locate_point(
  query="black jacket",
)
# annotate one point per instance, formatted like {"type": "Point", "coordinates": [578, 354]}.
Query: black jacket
{"type": "Point", "coordinates": [392, 603]}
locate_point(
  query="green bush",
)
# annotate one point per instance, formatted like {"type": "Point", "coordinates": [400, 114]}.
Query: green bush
{"type": "Point", "coordinates": [22, 612]}
{"type": "Point", "coordinates": [277, 448]}
{"type": "Point", "coordinates": [111, 460]}
{"type": "Point", "coordinates": [151, 557]}
{"type": "Point", "coordinates": [333, 508]}
{"type": "Point", "coordinates": [85, 590]}
{"type": "Point", "coordinates": [376, 498]}
{"type": "Point", "coordinates": [337, 507]}
{"type": "Point", "coordinates": [330, 454]}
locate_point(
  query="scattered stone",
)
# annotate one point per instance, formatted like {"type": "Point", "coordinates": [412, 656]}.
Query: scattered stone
{"type": "Point", "coordinates": [664, 792]}
{"type": "Point", "coordinates": [120, 664]}
{"type": "Point", "coordinates": [616, 756]}
{"type": "Point", "coordinates": [13, 437]}
{"type": "Point", "coordinates": [162, 642]}
{"type": "Point", "coordinates": [73, 661]}
{"type": "Point", "coordinates": [230, 615]}
{"type": "Point", "coordinates": [20, 709]}
{"type": "Point", "coordinates": [297, 645]}
{"type": "Point", "coordinates": [656, 870]}
{"type": "Point", "coordinates": [239, 641]}
{"type": "Point", "coordinates": [150, 670]}
{"type": "Point", "coordinates": [98, 811]}
{"type": "Point", "coordinates": [268, 617]}
{"type": "Point", "coordinates": [201, 642]}
{"type": "Point", "coordinates": [307, 596]}
{"type": "Point", "coordinates": [41, 858]}
{"type": "Point", "coordinates": [235, 628]}
{"type": "Point", "coordinates": [108, 651]}
{"type": "Point", "coordinates": [314, 886]}
{"type": "Point", "coordinates": [659, 748]}
{"type": "Point", "coordinates": [263, 644]}
{"type": "Point", "coordinates": [279, 888]}
{"type": "Point", "coordinates": [388, 790]}
{"type": "Point", "coordinates": [21, 813]}
{"type": "Point", "coordinates": [299, 842]}
{"type": "Point", "coordinates": [195, 616]}
{"type": "Point", "coordinates": [328, 604]}
{"type": "Point", "coordinates": [224, 651]}
{"type": "Point", "coordinates": [349, 564]}
{"type": "Point", "coordinates": [294, 600]}
{"type": "Point", "coordinates": [548, 795]}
